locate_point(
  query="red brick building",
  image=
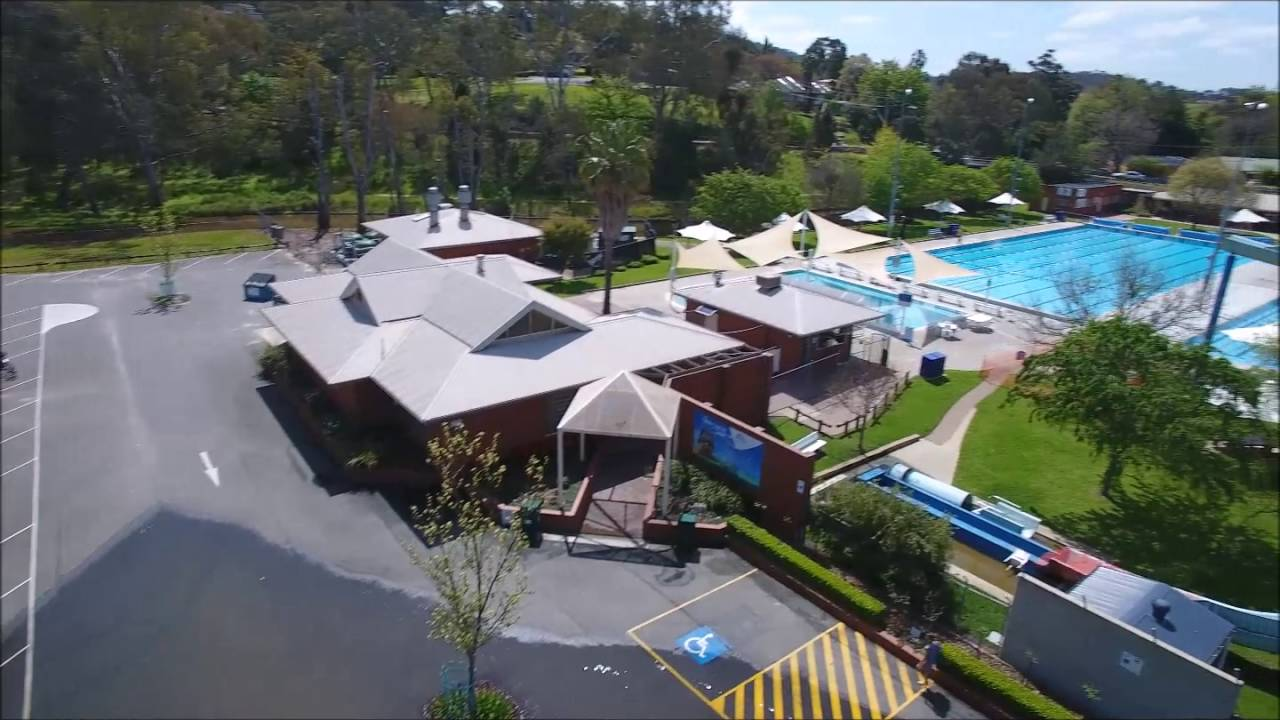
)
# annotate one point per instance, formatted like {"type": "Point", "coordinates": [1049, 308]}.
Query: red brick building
{"type": "Point", "coordinates": [1084, 198]}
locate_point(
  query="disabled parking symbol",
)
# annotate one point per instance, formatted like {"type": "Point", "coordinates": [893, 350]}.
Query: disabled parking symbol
{"type": "Point", "coordinates": [702, 644]}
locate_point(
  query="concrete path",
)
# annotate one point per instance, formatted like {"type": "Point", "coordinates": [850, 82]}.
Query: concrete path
{"type": "Point", "coordinates": [938, 453]}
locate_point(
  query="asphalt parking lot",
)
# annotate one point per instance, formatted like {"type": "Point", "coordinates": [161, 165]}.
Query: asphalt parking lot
{"type": "Point", "coordinates": [189, 562]}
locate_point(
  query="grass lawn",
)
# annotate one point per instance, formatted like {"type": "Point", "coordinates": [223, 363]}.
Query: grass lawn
{"type": "Point", "coordinates": [976, 614]}
{"type": "Point", "coordinates": [116, 252]}
{"type": "Point", "coordinates": [1154, 525]}
{"type": "Point", "coordinates": [918, 411]}
{"type": "Point", "coordinates": [1258, 704]}
{"type": "Point", "coordinates": [622, 276]}
{"type": "Point", "coordinates": [1260, 697]}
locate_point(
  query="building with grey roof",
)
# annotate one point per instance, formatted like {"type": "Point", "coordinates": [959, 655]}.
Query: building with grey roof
{"type": "Point", "coordinates": [452, 232]}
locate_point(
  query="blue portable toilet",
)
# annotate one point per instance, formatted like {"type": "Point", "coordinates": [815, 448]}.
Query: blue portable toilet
{"type": "Point", "coordinates": [933, 365]}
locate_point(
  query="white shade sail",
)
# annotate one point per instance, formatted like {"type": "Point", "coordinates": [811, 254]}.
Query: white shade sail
{"type": "Point", "coordinates": [834, 239]}
{"type": "Point", "coordinates": [862, 214]}
{"type": "Point", "coordinates": [784, 217]}
{"type": "Point", "coordinates": [870, 262]}
{"type": "Point", "coordinates": [1245, 215]}
{"type": "Point", "coordinates": [1005, 199]}
{"type": "Point", "coordinates": [769, 246]}
{"type": "Point", "coordinates": [624, 405]}
{"type": "Point", "coordinates": [706, 255]}
{"type": "Point", "coordinates": [944, 206]}
{"type": "Point", "coordinates": [705, 230]}
{"type": "Point", "coordinates": [1253, 335]}
{"type": "Point", "coordinates": [929, 268]}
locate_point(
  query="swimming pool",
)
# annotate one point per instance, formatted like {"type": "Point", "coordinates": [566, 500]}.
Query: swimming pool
{"type": "Point", "coordinates": [899, 319]}
{"type": "Point", "coordinates": [1242, 353]}
{"type": "Point", "coordinates": [1022, 270]}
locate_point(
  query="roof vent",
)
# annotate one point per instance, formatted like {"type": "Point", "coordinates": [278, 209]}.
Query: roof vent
{"type": "Point", "coordinates": [718, 275]}
{"type": "Point", "coordinates": [769, 281]}
{"type": "Point", "coordinates": [433, 206]}
{"type": "Point", "coordinates": [464, 205]}
{"type": "Point", "coordinates": [480, 264]}
{"type": "Point", "coordinates": [1160, 609]}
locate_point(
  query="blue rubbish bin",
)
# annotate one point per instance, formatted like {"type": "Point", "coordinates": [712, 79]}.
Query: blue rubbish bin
{"type": "Point", "coordinates": [953, 229]}
{"type": "Point", "coordinates": [1060, 216]}
{"type": "Point", "coordinates": [933, 365]}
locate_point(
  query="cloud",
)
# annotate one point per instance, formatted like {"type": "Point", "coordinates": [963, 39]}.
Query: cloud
{"type": "Point", "coordinates": [1096, 14]}
{"type": "Point", "coordinates": [1066, 37]}
{"type": "Point", "coordinates": [1172, 28]}
{"type": "Point", "coordinates": [786, 30]}
{"type": "Point", "coordinates": [1240, 37]}
{"type": "Point", "coordinates": [858, 19]}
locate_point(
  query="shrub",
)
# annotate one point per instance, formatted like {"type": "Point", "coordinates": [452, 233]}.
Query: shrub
{"type": "Point", "coordinates": [568, 237]}
{"type": "Point", "coordinates": [635, 264]}
{"type": "Point", "coordinates": [741, 201]}
{"type": "Point", "coordinates": [491, 704]}
{"type": "Point", "coordinates": [273, 363]}
{"type": "Point", "coordinates": [367, 459]}
{"type": "Point", "coordinates": [649, 259]}
{"type": "Point", "coordinates": [822, 579]}
{"type": "Point", "coordinates": [1008, 692]}
{"type": "Point", "coordinates": [717, 496]}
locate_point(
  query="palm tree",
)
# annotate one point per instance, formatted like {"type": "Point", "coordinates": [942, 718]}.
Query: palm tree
{"type": "Point", "coordinates": [615, 166]}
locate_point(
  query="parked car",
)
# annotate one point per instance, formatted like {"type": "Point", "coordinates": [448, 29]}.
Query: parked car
{"type": "Point", "coordinates": [1132, 175]}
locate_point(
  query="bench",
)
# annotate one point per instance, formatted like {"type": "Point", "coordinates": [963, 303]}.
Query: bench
{"type": "Point", "coordinates": [809, 444]}
{"type": "Point", "coordinates": [948, 300]}
{"type": "Point", "coordinates": [935, 233]}
{"type": "Point", "coordinates": [992, 310]}
{"type": "Point", "coordinates": [846, 270]}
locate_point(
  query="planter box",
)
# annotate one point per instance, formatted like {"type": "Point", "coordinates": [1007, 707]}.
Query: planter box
{"type": "Point", "coordinates": [663, 532]}
{"type": "Point", "coordinates": [566, 522]}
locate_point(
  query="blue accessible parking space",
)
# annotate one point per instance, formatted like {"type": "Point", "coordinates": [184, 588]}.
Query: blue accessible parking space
{"type": "Point", "coordinates": [702, 645]}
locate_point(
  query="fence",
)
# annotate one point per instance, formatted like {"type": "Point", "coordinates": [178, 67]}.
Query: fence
{"type": "Point", "coordinates": [856, 423]}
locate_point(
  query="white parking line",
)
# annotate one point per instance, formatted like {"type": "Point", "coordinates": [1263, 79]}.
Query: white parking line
{"type": "Point", "coordinates": [149, 269]}
{"type": "Point", "coordinates": [28, 527]}
{"type": "Point", "coordinates": [235, 258]}
{"type": "Point", "coordinates": [24, 382]}
{"type": "Point", "coordinates": [15, 587]}
{"type": "Point", "coordinates": [6, 660]}
{"type": "Point", "coordinates": [24, 337]}
{"type": "Point", "coordinates": [17, 467]}
{"type": "Point", "coordinates": [197, 262]}
{"type": "Point", "coordinates": [113, 272]}
{"type": "Point", "coordinates": [30, 402]}
{"type": "Point", "coordinates": [273, 252]}
{"type": "Point", "coordinates": [18, 356]}
{"type": "Point", "coordinates": [16, 435]}
{"type": "Point", "coordinates": [28, 322]}
{"type": "Point", "coordinates": [19, 312]}
{"type": "Point", "coordinates": [29, 668]}
{"type": "Point", "coordinates": [19, 282]}
{"type": "Point", "coordinates": [72, 274]}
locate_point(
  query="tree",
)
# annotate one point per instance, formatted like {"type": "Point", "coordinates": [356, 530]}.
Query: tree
{"type": "Point", "coordinates": [615, 166]}
{"type": "Point", "coordinates": [1029, 187]}
{"type": "Point", "coordinates": [1140, 399]}
{"type": "Point", "coordinates": [1207, 185]}
{"type": "Point", "coordinates": [360, 160]}
{"type": "Point", "coordinates": [1057, 82]}
{"type": "Point", "coordinates": [568, 237]}
{"type": "Point", "coordinates": [862, 389]}
{"type": "Point", "coordinates": [474, 564]}
{"type": "Point", "coordinates": [918, 60]}
{"type": "Point", "coordinates": [1113, 122]}
{"type": "Point", "coordinates": [978, 109]}
{"type": "Point", "coordinates": [838, 179]}
{"type": "Point", "coordinates": [742, 201]}
{"type": "Point", "coordinates": [919, 173]}
{"type": "Point", "coordinates": [755, 128]}
{"type": "Point", "coordinates": [1149, 166]}
{"type": "Point", "coordinates": [969, 187]}
{"type": "Point", "coordinates": [883, 85]}
{"type": "Point", "coordinates": [824, 128]}
{"type": "Point", "coordinates": [304, 82]}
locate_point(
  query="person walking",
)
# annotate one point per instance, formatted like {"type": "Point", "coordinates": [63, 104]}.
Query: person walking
{"type": "Point", "coordinates": [930, 662]}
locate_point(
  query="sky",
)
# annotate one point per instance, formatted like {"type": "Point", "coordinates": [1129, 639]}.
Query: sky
{"type": "Point", "coordinates": [1194, 45]}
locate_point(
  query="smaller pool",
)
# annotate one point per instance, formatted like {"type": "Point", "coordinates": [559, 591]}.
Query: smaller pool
{"type": "Point", "coordinates": [899, 319]}
{"type": "Point", "coordinates": [1242, 353]}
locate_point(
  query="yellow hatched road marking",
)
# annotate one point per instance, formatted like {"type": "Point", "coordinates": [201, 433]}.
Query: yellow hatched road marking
{"type": "Point", "coordinates": [815, 693]}
{"type": "Point", "coordinates": [870, 685]}
{"type": "Point", "coordinates": [833, 687]}
{"type": "Point", "coordinates": [887, 676]}
{"type": "Point", "coordinates": [779, 712]}
{"type": "Point", "coordinates": [739, 700]}
{"type": "Point", "coordinates": [797, 704]}
{"type": "Point", "coordinates": [855, 707]}
{"type": "Point", "coordinates": [905, 674]}
{"type": "Point", "coordinates": [757, 697]}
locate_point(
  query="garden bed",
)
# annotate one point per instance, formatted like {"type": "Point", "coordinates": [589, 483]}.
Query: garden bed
{"type": "Point", "coordinates": [706, 533]}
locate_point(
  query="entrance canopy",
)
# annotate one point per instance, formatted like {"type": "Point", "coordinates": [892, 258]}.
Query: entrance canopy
{"type": "Point", "coordinates": [624, 405]}
{"type": "Point", "coordinates": [833, 238]}
{"type": "Point", "coordinates": [769, 246]}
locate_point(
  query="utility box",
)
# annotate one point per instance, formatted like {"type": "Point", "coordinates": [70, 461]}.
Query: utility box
{"type": "Point", "coordinates": [686, 534]}
{"type": "Point", "coordinates": [531, 521]}
{"type": "Point", "coordinates": [258, 287]}
{"type": "Point", "coordinates": [933, 365]}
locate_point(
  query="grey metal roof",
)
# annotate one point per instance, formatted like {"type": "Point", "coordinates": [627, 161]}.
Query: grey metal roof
{"type": "Point", "coordinates": [623, 405]}
{"type": "Point", "coordinates": [327, 333]}
{"type": "Point", "coordinates": [389, 256]}
{"type": "Point", "coordinates": [412, 230]}
{"type": "Point", "coordinates": [788, 308]}
{"type": "Point", "coordinates": [1129, 598]}
{"type": "Point", "coordinates": [319, 287]}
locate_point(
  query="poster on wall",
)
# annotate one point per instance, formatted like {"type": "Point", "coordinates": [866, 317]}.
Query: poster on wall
{"type": "Point", "coordinates": [719, 443]}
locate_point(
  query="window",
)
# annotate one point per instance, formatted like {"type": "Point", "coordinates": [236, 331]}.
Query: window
{"type": "Point", "coordinates": [1082, 202]}
{"type": "Point", "coordinates": [530, 323]}
{"type": "Point", "coordinates": [1064, 192]}
{"type": "Point", "coordinates": [1081, 192]}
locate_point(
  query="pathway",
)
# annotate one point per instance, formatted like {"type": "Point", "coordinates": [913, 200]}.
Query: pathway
{"type": "Point", "coordinates": [938, 453]}
{"type": "Point", "coordinates": [622, 490]}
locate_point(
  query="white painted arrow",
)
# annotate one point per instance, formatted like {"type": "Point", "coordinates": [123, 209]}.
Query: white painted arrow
{"type": "Point", "coordinates": [209, 469]}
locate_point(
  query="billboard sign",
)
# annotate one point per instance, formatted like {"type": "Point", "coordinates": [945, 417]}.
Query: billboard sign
{"type": "Point", "coordinates": [737, 453]}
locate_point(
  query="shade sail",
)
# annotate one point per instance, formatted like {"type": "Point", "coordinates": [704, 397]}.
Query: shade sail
{"type": "Point", "coordinates": [623, 405]}
{"type": "Point", "coordinates": [1245, 215]}
{"type": "Point", "coordinates": [870, 262]}
{"type": "Point", "coordinates": [769, 246]}
{"type": "Point", "coordinates": [862, 214]}
{"type": "Point", "coordinates": [944, 206]}
{"type": "Point", "coordinates": [1005, 199]}
{"type": "Point", "coordinates": [834, 239]}
{"type": "Point", "coordinates": [706, 255]}
{"type": "Point", "coordinates": [1253, 335]}
{"type": "Point", "coordinates": [929, 268]}
{"type": "Point", "coordinates": [705, 230]}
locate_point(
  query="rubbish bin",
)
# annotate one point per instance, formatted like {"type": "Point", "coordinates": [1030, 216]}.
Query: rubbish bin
{"type": "Point", "coordinates": [531, 521]}
{"type": "Point", "coordinates": [686, 534]}
{"type": "Point", "coordinates": [276, 232]}
{"type": "Point", "coordinates": [953, 229]}
{"type": "Point", "coordinates": [258, 287]}
{"type": "Point", "coordinates": [1060, 216]}
{"type": "Point", "coordinates": [933, 365]}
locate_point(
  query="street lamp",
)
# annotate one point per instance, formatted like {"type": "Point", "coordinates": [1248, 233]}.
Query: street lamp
{"type": "Point", "coordinates": [1017, 163]}
{"type": "Point", "coordinates": [897, 161]}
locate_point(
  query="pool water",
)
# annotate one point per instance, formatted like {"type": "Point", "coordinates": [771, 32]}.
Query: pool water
{"type": "Point", "coordinates": [899, 317]}
{"type": "Point", "coordinates": [1242, 353]}
{"type": "Point", "coordinates": [1022, 270]}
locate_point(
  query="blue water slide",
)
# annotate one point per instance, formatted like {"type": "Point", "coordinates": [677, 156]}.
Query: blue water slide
{"type": "Point", "coordinates": [1254, 628]}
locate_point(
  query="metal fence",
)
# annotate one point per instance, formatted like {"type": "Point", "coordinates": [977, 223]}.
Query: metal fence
{"type": "Point", "coordinates": [858, 422]}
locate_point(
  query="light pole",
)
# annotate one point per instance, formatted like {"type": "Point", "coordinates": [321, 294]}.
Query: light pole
{"type": "Point", "coordinates": [897, 161]}
{"type": "Point", "coordinates": [1017, 163]}
{"type": "Point", "coordinates": [1225, 211]}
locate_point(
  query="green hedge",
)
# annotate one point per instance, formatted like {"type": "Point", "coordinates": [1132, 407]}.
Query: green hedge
{"type": "Point", "coordinates": [823, 579]}
{"type": "Point", "coordinates": [1023, 701]}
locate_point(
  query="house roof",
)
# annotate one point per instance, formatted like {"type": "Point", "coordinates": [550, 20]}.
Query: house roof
{"type": "Point", "coordinates": [787, 307]}
{"type": "Point", "coordinates": [414, 230]}
{"type": "Point", "coordinates": [1084, 185]}
{"type": "Point", "coordinates": [1261, 202]}
{"type": "Point", "coordinates": [1131, 599]}
{"type": "Point", "coordinates": [623, 405]}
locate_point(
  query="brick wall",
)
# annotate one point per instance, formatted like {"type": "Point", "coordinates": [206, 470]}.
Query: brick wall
{"type": "Point", "coordinates": [750, 332]}
{"type": "Point", "coordinates": [740, 388]}
{"type": "Point", "coordinates": [523, 248]}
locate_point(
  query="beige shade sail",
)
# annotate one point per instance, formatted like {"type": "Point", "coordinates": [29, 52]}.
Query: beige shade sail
{"type": "Point", "coordinates": [706, 255]}
{"type": "Point", "coordinates": [624, 405]}
{"type": "Point", "coordinates": [769, 246]}
{"type": "Point", "coordinates": [1245, 215]}
{"type": "Point", "coordinates": [930, 268]}
{"type": "Point", "coordinates": [833, 238]}
{"type": "Point", "coordinates": [870, 262]}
